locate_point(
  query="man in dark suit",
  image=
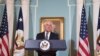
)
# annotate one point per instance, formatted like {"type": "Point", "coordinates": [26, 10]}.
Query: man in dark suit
{"type": "Point", "coordinates": [48, 35]}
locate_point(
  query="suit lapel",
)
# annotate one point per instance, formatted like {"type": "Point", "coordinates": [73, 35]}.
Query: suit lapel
{"type": "Point", "coordinates": [43, 35]}
{"type": "Point", "coordinates": [50, 36]}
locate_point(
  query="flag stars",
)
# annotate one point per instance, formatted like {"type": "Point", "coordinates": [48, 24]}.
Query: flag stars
{"type": "Point", "coordinates": [5, 29]}
{"type": "Point", "coordinates": [83, 30]}
{"type": "Point", "coordinates": [84, 27]}
{"type": "Point", "coordinates": [83, 36]}
{"type": "Point", "coordinates": [20, 19]}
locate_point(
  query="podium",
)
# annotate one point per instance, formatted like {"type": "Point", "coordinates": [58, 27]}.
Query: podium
{"type": "Point", "coordinates": [58, 45]}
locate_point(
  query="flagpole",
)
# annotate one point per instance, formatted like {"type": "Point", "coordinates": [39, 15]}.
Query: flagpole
{"type": "Point", "coordinates": [95, 20]}
{"type": "Point", "coordinates": [25, 9]}
{"type": "Point", "coordinates": [10, 14]}
{"type": "Point", "coordinates": [78, 19]}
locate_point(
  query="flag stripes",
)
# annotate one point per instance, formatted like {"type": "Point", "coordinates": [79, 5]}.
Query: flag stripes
{"type": "Point", "coordinates": [4, 39]}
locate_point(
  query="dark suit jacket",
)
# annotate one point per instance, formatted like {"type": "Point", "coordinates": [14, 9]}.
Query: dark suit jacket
{"type": "Point", "coordinates": [41, 36]}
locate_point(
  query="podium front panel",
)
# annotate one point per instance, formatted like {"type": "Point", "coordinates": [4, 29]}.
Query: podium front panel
{"type": "Point", "coordinates": [32, 44]}
{"type": "Point", "coordinates": [54, 44]}
{"type": "Point", "coordinates": [58, 44]}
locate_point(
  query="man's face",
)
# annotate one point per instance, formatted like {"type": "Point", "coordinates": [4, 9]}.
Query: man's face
{"type": "Point", "coordinates": [48, 27]}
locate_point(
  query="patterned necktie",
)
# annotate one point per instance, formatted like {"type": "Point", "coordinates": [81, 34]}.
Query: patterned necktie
{"type": "Point", "coordinates": [46, 36]}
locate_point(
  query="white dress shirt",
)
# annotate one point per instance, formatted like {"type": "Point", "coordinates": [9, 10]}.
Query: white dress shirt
{"type": "Point", "coordinates": [48, 36]}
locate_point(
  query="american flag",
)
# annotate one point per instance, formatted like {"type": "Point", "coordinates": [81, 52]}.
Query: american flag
{"type": "Point", "coordinates": [83, 49]}
{"type": "Point", "coordinates": [98, 35]}
{"type": "Point", "coordinates": [19, 36]}
{"type": "Point", "coordinates": [4, 39]}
